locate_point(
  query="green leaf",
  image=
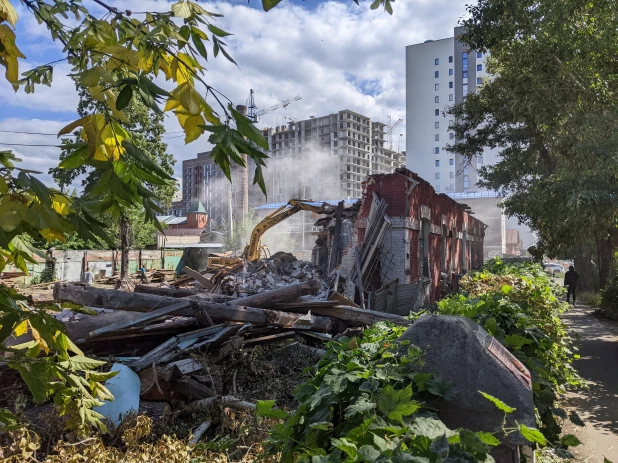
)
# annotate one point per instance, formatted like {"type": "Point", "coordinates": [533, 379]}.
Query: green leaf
{"type": "Point", "coordinates": [472, 442]}
{"type": "Point", "coordinates": [498, 403]}
{"type": "Point", "coordinates": [605, 460]}
{"type": "Point", "coordinates": [265, 408]}
{"type": "Point", "coordinates": [397, 403]}
{"type": "Point", "coordinates": [199, 45]}
{"type": "Point", "coordinates": [83, 363]}
{"type": "Point", "coordinates": [321, 425]}
{"type": "Point", "coordinates": [488, 438]}
{"type": "Point", "coordinates": [359, 407]}
{"type": "Point", "coordinates": [269, 4]}
{"type": "Point", "coordinates": [421, 379]}
{"type": "Point", "coordinates": [346, 446]}
{"type": "Point", "coordinates": [218, 32]}
{"type": "Point", "coordinates": [124, 97]}
{"type": "Point", "coordinates": [532, 435]}
{"type": "Point", "coordinates": [8, 421]}
{"type": "Point", "coordinates": [388, 7]}
{"type": "Point", "coordinates": [35, 376]}
{"type": "Point", "coordinates": [442, 388]}
{"type": "Point", "coordinates": [570, 440]}
{"type": "Point", "coordinates": [376, 4]}
{"type": "Point", "coordinates": [7, 324]}
{"type": "Point", "coordinates": [98, 376]}
{"type": "Point", "coordinates": [440, 445]}
{"type": "Point", "coordinates": [368, 453]}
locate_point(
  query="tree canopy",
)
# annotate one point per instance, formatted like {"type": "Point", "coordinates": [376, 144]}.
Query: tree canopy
{"type": "Point", "coordinates": [550, 108]}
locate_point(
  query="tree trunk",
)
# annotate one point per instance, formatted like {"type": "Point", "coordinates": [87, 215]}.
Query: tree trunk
{"type": "Point", "coordinates": [585, 268]}
{"type": "Point", "coordinates": [124, 247]}
{"type": "Point", "coordinates": [605, 258]}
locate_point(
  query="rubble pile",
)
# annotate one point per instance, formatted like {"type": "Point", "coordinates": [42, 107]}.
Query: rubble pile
{"type": "Point", "coordinates": [216, 337]}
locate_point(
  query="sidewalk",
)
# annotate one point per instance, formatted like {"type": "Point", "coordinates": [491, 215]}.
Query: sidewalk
{"type": "Point", "coordinates": [598, 406]}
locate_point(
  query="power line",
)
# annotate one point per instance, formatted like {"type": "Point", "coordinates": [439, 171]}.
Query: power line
{"type": "Point", "coordinates": [55, 134]}
{"type": "Point", "coordinates": [61, 146]}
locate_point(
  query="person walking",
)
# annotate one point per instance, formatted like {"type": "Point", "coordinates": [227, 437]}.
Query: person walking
{"type": "Point", "coordinates": [142, 272]}
{"type": "Point", "coordinates": [570, 281]}
{"type": "Point", "coordinates": [88, 277]}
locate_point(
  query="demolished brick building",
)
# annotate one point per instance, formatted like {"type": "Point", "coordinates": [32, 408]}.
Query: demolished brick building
{"type": "Point", "coordinates": [410, 244]}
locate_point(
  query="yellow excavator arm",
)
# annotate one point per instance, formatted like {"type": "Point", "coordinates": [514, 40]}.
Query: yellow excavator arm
{"type": "Point", "coordinates": [252, 250]}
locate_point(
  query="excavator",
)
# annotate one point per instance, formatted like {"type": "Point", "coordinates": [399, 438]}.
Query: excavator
{"type": "Point", "coordinates": [252, 250]}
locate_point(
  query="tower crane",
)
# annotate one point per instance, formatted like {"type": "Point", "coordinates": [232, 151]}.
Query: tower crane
{"type": "Point", "coordinates": [389, 133]}
{"type": "Point", "coordinates": [254, 114]}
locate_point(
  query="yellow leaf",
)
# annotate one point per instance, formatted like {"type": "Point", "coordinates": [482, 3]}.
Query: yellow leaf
{"type": "Point", "coordinates": [97, 93]}
{"type": "Point", "coordinates": [170, 104]}
{"type": "Point", "coordinates": [121, 55]}
{"type": "Point", "coordinates": [145, 60]}
{"type": "Point", "coordinates": [92, 76]}
{"type": "Point", "coordinates": [22, 328]}
{"type": "Point", "coordinates": [112, 137]}
{"type": "Point", "coordinates": [181, 9]}
{"type": "Point", "coordinates": [209, 113]}
{"type": "Point", "coordinates": [7, 12]}
{"type": "Point", "coordinates": [73, 125]}
{"type": "Point", "coordinates": [191, 126]}
{"type": "Point", "coordinates": [50, 234]}
{"type": "Point", "coordinates": [189, 98]}
{"type": "Point", "coordinates": [9, 53]}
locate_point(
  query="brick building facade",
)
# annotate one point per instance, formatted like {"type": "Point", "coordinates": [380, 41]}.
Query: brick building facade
{"type": "Point", "coordinates": [431, 236]}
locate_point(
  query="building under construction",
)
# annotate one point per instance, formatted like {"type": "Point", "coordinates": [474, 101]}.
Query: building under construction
{"type": "Point", "coordinates": [320, 158]}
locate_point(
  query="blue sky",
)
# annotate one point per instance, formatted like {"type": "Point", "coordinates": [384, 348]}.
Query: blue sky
{"type": "Point", "coordinates": [335, 55]}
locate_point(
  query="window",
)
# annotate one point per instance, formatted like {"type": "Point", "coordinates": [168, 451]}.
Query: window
{"type": "Point", "coordinates": [465, 74]}
{"type": "Point", "coordinates": [479, 54]}
{"type": "Point", "coordinates": [450, 72]}
{"type": "Point", "coordinates": [437, 87]}
{"type": "Point", "coordinates": [437, 61]}
{"type": "Point", "coordinates": [437, 125]}
{"type": "Point", "coordinates": [437, 112]}
{"type": "Point", "coordinates": [437, 175]}
{"type": "Point", "coordinates": [452, 187]}
{"type": "Point", "coordinates": [451, 162]}
{"type": "Point", "coordinates": [437, 137]}
{"type": "Point", "coordinates": [464, 55]}
{"type": "Point", "coordinates": [450, 59]}
{"type": "Point", "coordinates": [424, 247]}
{"type": "Point", "coordinates": [450, 97]}
{"type": "Point", "coordinates": [479, 81]}
{"type": "Point", "coordinates": [465, 89]}
{"type": "Point", "coordinates": [437, 188]}
{"type": "Point", "coordinates": [451, 136]}
{"type": "Point", "coordinates": [436, 150]}
{"type": "Point", "coordinates": [437, 74]}
{"type": "Point", "coordinates": [479, 160]}
{"type": "Point", "coordinates": [452, 174]}
{"type": "Point", "coordinates": [466, 184]}
{"type": "Point", "coordinates": [465, 65]}
{"type": "Point", "coordinates": [450, 85]}
{"type": "Point", "coordinates": [437, 99]}
{"type": "Point", "coordinates": [479, 67]}
{"type": "Point", "coordinates": [437, 163]}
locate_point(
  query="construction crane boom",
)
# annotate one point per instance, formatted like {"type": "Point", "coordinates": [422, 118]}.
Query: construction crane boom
{"type": "Point", "coordinates": [254, 114]}
{"type": "Point", "coordinates": [389, 133]}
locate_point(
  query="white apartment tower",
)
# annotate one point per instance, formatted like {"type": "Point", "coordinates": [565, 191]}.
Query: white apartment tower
{"type": "Point", "coordinates": [440, 73]}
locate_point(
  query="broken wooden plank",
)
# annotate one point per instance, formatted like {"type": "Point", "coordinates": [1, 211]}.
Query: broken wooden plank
{"type": "Point", "coordinates": [269, 339]}
{"type": "Point", "coordinates": [169, 310]}
{"type": "Point", "coordinates": [197, 276]}
{"type": "Point", "coordinates": [124, 300]}
{"type": "Point", "coordinates": [224, 401]}
{"type": "Point", "coordinates": [359, 278]}
{"type": "Point", "coordinates": [308, 304]}
{"type": "Point", "coordinates": [340, 299]}
{"type": "Point", "coordinates": [173, 292]}
{"type": "Point", "coordinates": [192, 389]}
{"type": "Point", "coordinates": [354, 316]}
{"type": "Point", "coordinates": [279, 295]}
{"type": "Point", "coordinates": [181, 368]}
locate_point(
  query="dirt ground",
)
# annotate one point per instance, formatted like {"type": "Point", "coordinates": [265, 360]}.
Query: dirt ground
{"type": "Point", "coordinates": [598, 406]}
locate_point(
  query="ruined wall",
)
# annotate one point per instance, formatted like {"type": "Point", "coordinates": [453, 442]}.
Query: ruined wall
{"type": "Point", "coordinates": [451, 231]}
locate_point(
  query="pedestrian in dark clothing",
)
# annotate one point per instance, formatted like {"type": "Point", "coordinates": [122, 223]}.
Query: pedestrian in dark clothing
{"type": "Point", "coordinates": [570, 281]}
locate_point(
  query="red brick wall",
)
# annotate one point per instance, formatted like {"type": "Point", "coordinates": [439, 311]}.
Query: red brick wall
{"type": "Point", "coordinates": [195, 220]}
{"type": "Point", "coordinates": [392, 188]}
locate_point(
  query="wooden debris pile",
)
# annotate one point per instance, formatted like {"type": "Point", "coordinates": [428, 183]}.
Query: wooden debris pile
{"type": "Point", "coordinates": [193, 341]}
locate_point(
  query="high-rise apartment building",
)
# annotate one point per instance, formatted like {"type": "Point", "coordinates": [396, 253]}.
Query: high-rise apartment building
{"type": "Point", "coordinates": [320, 158]}
{"type": "Point", "coordinates": [440, 73]}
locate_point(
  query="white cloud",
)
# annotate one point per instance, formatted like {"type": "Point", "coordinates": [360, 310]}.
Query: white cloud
{"type": "Point", "coordinates": [326, 55]}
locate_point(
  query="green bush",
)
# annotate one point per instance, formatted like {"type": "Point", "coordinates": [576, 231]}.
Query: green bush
{"type": "Point", "coordinates": [518, 305]}
{"type": "Point", "coordinates": [368, 403]}
{"type": "Point", "coordinates": [608, 306]}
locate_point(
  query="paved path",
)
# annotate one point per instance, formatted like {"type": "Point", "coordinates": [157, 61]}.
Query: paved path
{"type": "Point", "coordinates": [598, 406]}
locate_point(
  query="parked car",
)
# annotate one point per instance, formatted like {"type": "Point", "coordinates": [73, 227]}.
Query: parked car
{"type": "Point", "coordinates": [553, 269]}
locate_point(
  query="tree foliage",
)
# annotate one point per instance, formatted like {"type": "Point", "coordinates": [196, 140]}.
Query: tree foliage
{"type": "Point", "coordinates": [550, 109]}
{"type": "Point", "coordinates": [115, 58]}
